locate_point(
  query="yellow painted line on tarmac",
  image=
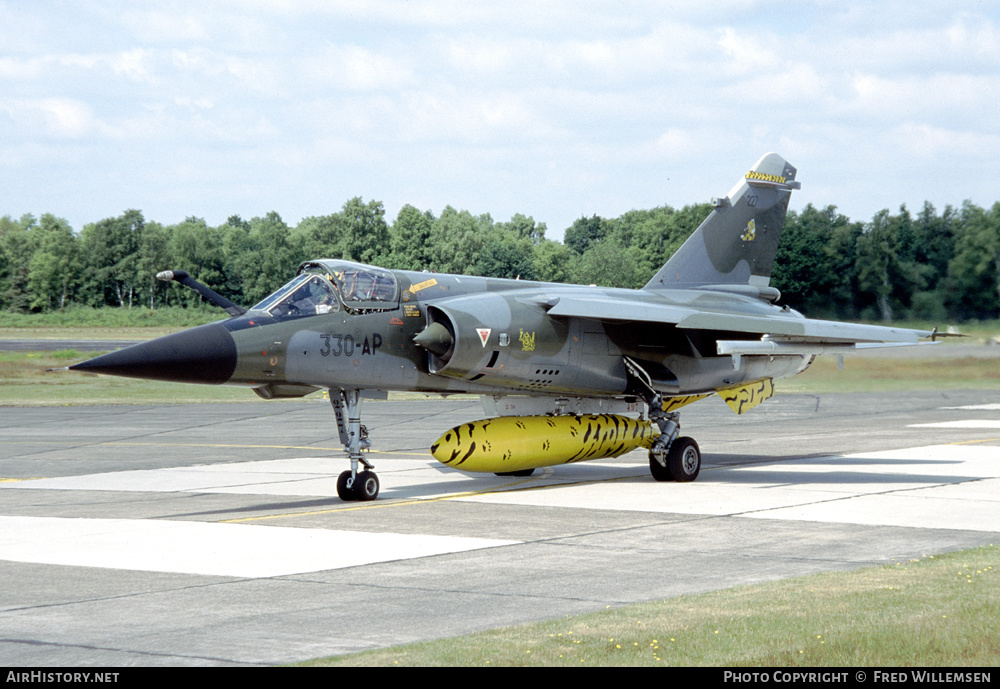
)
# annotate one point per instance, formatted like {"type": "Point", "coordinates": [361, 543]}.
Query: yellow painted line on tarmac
{"type": "Point", "coordinates": [973, 442]}
{"type": "Point", "coordinates": [245, 447]}
{"type": "Point", "coordinates": [266, 447]}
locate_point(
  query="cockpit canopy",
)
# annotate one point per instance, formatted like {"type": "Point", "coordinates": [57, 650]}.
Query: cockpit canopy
{"type": "Point", "coordinates": [303, 295]}
{"type": "Point", "coordinates": [358, 284]}
{"type": "Point", "coordinates": [328, 285]}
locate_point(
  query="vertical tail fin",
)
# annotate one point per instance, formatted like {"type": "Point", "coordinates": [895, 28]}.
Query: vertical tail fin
{"type": "Point", "coordinates": [736, 245]}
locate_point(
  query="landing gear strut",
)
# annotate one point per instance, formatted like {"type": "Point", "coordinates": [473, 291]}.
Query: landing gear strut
{"type": "Point", "coordinates": [671, 458]}
{"type": "Point", "coordinates": [353, 485]}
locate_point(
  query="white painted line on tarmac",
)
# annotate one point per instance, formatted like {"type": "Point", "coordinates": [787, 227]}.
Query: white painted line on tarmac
{"type": "Point", "coordinates": [232, 550]}
{"type": "Point", "coordinates": [300, 477]}
{"type": "Point", "coordinates": [305, 477]}
{"type": "Point", "coordinates": [944, 486]}
{"type": "Point", "coordinates": [970, 506]}
{"type": "Point", "coordinates": [965, 423]}
{"type": "Point", "coordinates": [937, 486]}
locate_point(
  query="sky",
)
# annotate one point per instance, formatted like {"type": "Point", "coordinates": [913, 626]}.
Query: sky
{"type": "Point", "coordinates": [553, 109]}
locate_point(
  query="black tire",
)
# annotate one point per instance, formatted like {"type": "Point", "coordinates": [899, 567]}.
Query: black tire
{"type": "Point", "coordinates": [684, 461]}
{"type": "Point", "coordinates": [345, 493]}
{"type": "Point", "coordinates": [520, 472]}
{"type": "Point", "coordinates": [366, 486]}
{"type": "Point", "coordinates": [658, 471]}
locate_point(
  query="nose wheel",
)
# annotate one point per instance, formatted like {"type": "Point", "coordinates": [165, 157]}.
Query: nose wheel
{"type": "Point", "coordinates": [361, 488]}
{"type": "Point", "coordinates": [354, 485]}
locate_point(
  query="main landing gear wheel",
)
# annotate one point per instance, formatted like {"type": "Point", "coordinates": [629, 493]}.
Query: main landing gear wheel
{"type": "Point", "coordinates": [658, 471]}
{"type": "Point", "coordinates": [683, 460]}
{"type": "Point", "coordinates": [363, 488]}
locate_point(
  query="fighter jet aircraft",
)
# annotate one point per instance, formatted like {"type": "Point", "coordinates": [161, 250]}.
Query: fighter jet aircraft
{"type": "Point", "coordinates": [567, 373]}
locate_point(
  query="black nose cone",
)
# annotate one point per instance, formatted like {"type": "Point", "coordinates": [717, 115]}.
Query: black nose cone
{"type": "Point", "coordinates": [206, 354]}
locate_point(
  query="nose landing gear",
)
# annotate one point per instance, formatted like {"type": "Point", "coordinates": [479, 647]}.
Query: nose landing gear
{"type": "Point", "coordinates": [353, 485]}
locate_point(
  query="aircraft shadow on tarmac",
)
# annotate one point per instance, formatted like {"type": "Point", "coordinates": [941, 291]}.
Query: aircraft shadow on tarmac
{"type": "Point", "coordinates": [409, 480]}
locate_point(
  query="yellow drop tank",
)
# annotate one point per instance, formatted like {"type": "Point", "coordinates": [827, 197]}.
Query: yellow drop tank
{"type": "Point", "coordinates": [515, 443]}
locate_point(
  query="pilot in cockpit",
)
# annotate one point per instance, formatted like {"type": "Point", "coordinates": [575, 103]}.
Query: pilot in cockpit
{"type": "Point", "coordinates": [313, 297]}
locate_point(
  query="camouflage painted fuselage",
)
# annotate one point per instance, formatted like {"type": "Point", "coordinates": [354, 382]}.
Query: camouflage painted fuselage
{"type": "Point", "coordinates": [505, 341]}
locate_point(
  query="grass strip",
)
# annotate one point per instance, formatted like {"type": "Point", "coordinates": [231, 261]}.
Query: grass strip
{"type": "Point", "coordinates": [30, 379]}
{"type": "Point", "coordinates": [879, 374]}
{"type": "Point", "coordinates": [938, 610]}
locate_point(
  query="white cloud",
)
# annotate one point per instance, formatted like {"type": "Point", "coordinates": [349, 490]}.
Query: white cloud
{"type": "Point", "coordinates": [171, 24]}
{"type": "Point", "coordinates": [133, 64]}
{"type": "Point", "coordinates": [49, 117]}
{"type": "Point", "coordinates": [942, 98]}
{"type": "Point", "coordinates": [677, 144]}
{"type": "Point", "coordinates": [354, 68]}
{"type": "Point", "coordinates": [572, 107]}
{"type": "Point", "coordinates": [747, 52]}
{"type": "Point", "coordinates": [923, 142]}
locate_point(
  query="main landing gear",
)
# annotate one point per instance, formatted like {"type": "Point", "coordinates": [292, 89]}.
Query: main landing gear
{"type": "Point", "coordinates": [353, 485]}
{"type": "Point", "coordinates": [671, 458]}
{"type": "Point", "coordinates": [679, 460]}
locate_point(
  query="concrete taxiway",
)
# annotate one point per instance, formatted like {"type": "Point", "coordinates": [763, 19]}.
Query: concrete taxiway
{"type": "Point", "coordinates": [212, 534]}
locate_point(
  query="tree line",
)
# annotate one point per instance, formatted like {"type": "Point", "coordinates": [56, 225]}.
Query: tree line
{"type": "Point", "coordinates": [928, 266]}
